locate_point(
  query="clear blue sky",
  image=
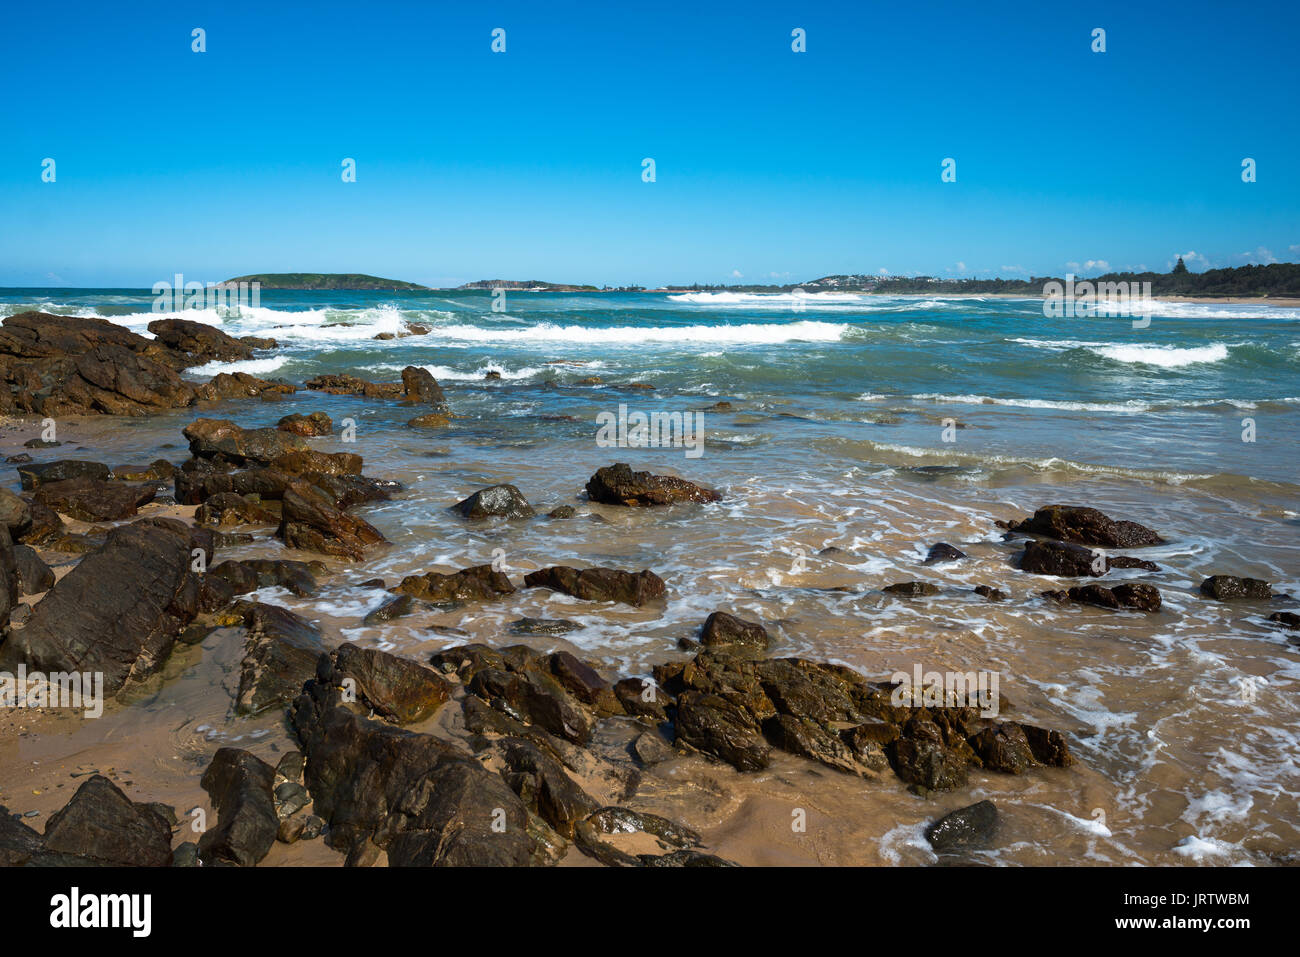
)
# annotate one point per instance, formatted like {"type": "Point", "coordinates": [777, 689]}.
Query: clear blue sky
{"type": "Point", "coordinates": [772, 166]}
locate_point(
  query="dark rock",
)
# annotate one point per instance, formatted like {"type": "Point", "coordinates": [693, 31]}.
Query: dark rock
{"type": "Point", "coordinates": [504, 501]}
{"type": "Point", "coordinates": [1127, 561]}
{"type": "Point", "coordinates": [912, 589]}
{"type": "Point", "coordinates": [1287, 619]}
{"type": "Point", "coordinates": [280, 653]}
{"type": "Point", "coordinates": [254, 573]}
{"type": "Point", "coordinates": [619, 485]}
{"type": "Point", "coordinates": [33, 476]}
{"type": "Point", "coordinates": [719, 726]}
{"type": "Point", "coordinates": [543, 626]}
{"type": "Point", "coordinates": [34, 576]}
{"type": "Point", "coordinates": [91, 500]}
{"type": "Point", "coordinates": [943, 552]}
{"type": "Point", "coordinates": [120, 609]}
{"type": "Point", "coordinates": [228, 510]}
{"type": "Point", "coordinates": [394, 607]}
{"type": "Point", "coordinates": [316, 423]}
{"type": "Point", "coordinates": [599, 584]}
{"type": "Point", "coordinates": [20, 458]}
{"type": "Point", "coordinates": [477, 583]}
{"type": "Point", "coordinates": [240, 786]}
{"type": "Point", "coordinates": [624, 820]}
{"type": "Point", "coordinates": [1087, 526]}
{"type": "Point", "coordinates": [221, 437]}
{"type": "Point", "coordinates": [562, 511]}
{"type": "Point", "coordinates": [972, 826]}
{"type": "Point", "coordinates": [396, 689]}
{"type": "Point", "coordinates": [156, 471]}
{"type": "Point", "coordinates": [102, 826]}
{"type": "Point", "coordinates": [200, 340]}
{"type": "Point", "coordinates": [311, 462]}
{"type": "Point", "coordinates": [721, 629]}
{"type": "Point", "coordinates": [44, 526]}
{"type": "Point", "coordinates": [1230, 588]}
{"type": "Point", "coordinates": [1062, 559]}
{"type": "Point", "coordinates": [310, 520]}
{"type": "Point", "coordinates": [542, 784]}
{"type": "Point", "coordinates": [241, 385]}
{"type": "Point", "coordinates": [420, 386]}
{"type": "Point", "coordinates": [990, 593]}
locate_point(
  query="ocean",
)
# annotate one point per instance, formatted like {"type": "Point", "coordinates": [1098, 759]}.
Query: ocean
{"type": "Point", "coordinates": [848, 433]}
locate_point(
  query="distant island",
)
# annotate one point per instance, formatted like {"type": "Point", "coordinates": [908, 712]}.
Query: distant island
{"type": "Point", "coordinates": [526, 285]}
{"type": "Point", "coordinates": [1277, 280]}
{"type": "Point", "coordinates": [325, 280]}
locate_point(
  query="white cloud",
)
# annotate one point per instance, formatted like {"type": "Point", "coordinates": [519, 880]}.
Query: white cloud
{"type": "Point", "coordinates": [1014, 269]}
{"type": "Point", "coordinates": [961, 267]}
{"type": "Point", "coordinates": [737, 274]}
{"type": "Point", "coordinates": [1260, 257]}
{"type": "Point", "coordinates": [1191, 259]}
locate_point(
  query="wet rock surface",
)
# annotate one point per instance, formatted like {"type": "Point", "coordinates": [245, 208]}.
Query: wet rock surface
{"type": "Point", "coordinates": [1086, 526]}
{"type": "Point", "coordinates": [619, 485]}
{"type": "Point", "coordinates": [599, 584]}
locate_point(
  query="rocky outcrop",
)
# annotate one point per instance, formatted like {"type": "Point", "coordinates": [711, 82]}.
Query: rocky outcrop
{"type": "Point", "coordinates": [91, 500]}
{"type": "Point", "coordinates": [61, 470]}
{"type": "Point", "coordinates": [204, 343]}
{"type": "Point", "coordinates": [599, 584]}
{"type": "Point", "coordinates": [417, 385]}
{"type": "Point", "coordinates": [1086, 526]}
{"type": "Point", "coordinates": [315, 423]}
{"type": "Point", "coordinates": [71, 365]}
{"type": "Point", "coordinates": [241, 385]}
{"type": "Point", "coordinates": [972, 826]}
{"type": "Point", "coordinates": [310, 520]}
{"type": "Point", "coordinates": [221, 437]}
{"type": "Point", "coordinates": [254, 573]}
{"type": "Point", "coordinates": [118, 612]}
{"type": "Point", "coordinates": [34, 576]}
{"type": "Point", "coordinates": [619, 485]}
{"type": "Point", "coordinates": [228, 510]}
{"type": "Point", "coordinates": [240, 786]}
{"type": "Point", "coordinates": [101, 826]}
{"type": "Point", "coordinates": [280, 653]}
{"type": "Point", "coordinates": [1134, 595]}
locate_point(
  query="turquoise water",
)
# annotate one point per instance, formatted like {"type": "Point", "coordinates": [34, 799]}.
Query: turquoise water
{"type": "Point", "coordinates": [886, 372]}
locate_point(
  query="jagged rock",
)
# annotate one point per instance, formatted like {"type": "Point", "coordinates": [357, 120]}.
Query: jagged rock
{"type": "Point", "coordinates": [1230, 588]}
{"type": "Point", "coordinates": [228, 510]}
{"type": "Point", "coordinates": [310, 461]}
{"type": "Point", "coordinates": [619, 485]}
{"type": "Point", "coordinates": [396, 689]}
{"type": "Point", "coordinates": [943, 552]}
{"type": "Point", "coordinates": [241, 385]}
{"type": "Point", "coordinates": [61, 470]}
{"type": "Point", "coordinates": [542, 784]}
{"type": "Point", "coordinates": [34, 576]}
{"type": "Point", "coordinates": [91, 500]}
{"type": "Point", "coordinates": [310, 520]}
{"type": "Point", "coordinates": [1062, 559]}
{"type": "Point", "coordinates": [420, 386]}
{"type": "Point", "coordinates": [315, 423]}
{"type": "Point", "coordinates": [200, 340]}
{"type": "Point", "coordinates": [254, 573]}
{"type": "Point", "coordinates": [1087, 526]}
{"type": "Point", "coordinates": [43, 526]}
{"type": "Point", "coordinates": [721, 629]}
{"type": "Point", "coordinates": [198, 480]}
{"type": "Point", "coordinates": [120, 609]}
{"type": "Point", "coordinates": [61, 366]}
{"type": "Point", "coordinates": [990, 593]}
{"type": "Point", "coordinates": [280, 653]}
{"type": "Point", "coordinates": [719, 726]}
{"type": "Point", "coordinates": [599, 584]}
{"type": "Point", "coordinates": [477, 583]}
{"type": "Point", "coordinates": [213, 437]}
{"type": "Point", "coordinates": [504, 501]}
{"type": "Point", "coordinates": [20, 846]}
{"type": "Point", "coordinates": [102, 826]}
{"type": "Point", "coordinates": [972, 826]}
{"type": "Point", "coordinates": [240, 786]}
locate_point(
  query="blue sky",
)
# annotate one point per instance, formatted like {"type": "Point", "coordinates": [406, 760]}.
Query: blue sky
{"type": "Point", "coordinates": [771, 166]}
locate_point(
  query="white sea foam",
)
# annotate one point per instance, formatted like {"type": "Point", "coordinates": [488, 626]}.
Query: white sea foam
{"type": "Point", "coordinates": [549, 334]}
{"type": "Point", "coordinates": [258, 367]}
{"type": "Point", "coordinates": [462, 375]}
{"type": "Point", "coordinates": [1166, 357]}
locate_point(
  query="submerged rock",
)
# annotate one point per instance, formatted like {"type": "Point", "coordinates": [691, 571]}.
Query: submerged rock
{"type": "Point", "coordinates": [912, 589]}
{"type": "Point", "coordinates": [943, 552]}
{"type": "Point", "coordinates": [972, 826]}
{"type": "Point", "coordinates": [1086, 526]}
{"type": "Point", "coordinates": [1231, 588]}
{"type": "Point", "coordinates": [721, 629]}
{"type": "Point", "coordinates": [619, 485]}
{"type": "Point", "coordinates": [599, 584]}
{"type": "Point", "coordinates": [504, 501]}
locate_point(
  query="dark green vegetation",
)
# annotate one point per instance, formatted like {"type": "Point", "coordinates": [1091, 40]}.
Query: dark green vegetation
{"type": "Point", "coordinates": [530, 285]}
{"type": "Point", "coordinates": [325, 280]}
